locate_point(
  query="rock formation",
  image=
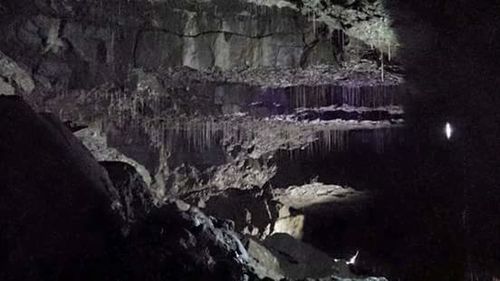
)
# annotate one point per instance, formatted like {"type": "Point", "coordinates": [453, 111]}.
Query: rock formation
{"type": "Point", "coordinates": [64, 216]}
{"type": "Point", "coordinates": [248, 140]}
{"type": "Point", "coordinates": [73, 45]}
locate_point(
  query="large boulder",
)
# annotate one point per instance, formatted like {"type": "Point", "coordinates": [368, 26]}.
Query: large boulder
{"type": "Point", "coordinates": [58, 208]}
{"type": "Point", "coordinates": [299, 260]}
{"type": "Point", "coordinates": [135, 195]}
{"type": "Point", "coordinates": [179, 242]}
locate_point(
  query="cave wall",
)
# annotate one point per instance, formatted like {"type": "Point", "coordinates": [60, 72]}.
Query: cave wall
{"type": "Point", "coordinates": [76, 45]}
{"type": "Point", "coordinates": [72, 44]}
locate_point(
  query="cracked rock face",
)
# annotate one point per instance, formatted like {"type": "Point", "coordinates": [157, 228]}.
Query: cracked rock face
{"type": "Point", "coordinates": [69, 44]}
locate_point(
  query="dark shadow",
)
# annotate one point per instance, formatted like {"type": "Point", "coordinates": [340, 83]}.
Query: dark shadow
{"type": "Point", "coordinates": [451, 187]}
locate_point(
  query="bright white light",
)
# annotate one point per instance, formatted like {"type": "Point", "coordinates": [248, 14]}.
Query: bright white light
{"type": "Point", "coordinates": [353, 259]}
{"type": "Point", "coordinates": [448, 130]}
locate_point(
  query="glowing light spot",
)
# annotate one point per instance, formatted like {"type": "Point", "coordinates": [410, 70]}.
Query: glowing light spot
{"type": "Point", "coordinates": [353, 259]}
{"type": "Point", "coordinates": [448, 130]}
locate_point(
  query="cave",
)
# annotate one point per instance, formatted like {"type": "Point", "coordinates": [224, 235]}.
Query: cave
{"type": "Point", "coordinates": [249, 140]}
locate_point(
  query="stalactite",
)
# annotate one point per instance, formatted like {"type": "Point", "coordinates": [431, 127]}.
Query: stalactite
{"type": "Point", "coordinates": [382, 66]}
{"type": "Point", "coordinates": [389, 51]}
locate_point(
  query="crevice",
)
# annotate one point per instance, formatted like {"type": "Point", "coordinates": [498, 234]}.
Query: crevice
{"type": "Point", "coordinates": [164, 30]}
{"type": "Point", "coordinates": [308, 48]}
{"type": "Point", "coordinates": [137, 38]}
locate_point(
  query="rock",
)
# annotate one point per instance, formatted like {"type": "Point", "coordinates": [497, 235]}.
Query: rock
{"type": "Point", "coordinates": [290, 221]}
{"type": "Point", "coordinates": [96, 142]}
{"type": "Point", "coordinates": [60, 219]}
{"type": "Point", "coordinates": [182, 206]}
{"type": "Point", "coordinates": [59, 213]}
{"type": "Point", "coordinates": [317, 193]}
{"type": "Point", "coordinates": [281, 256]}
{"type": "Point", "coordinates": [57, 71]}
{"type": "Point", "coordinates": [252, 211]}
{"type": "Point", "coordinates": [135, 195]}
{"type": "Point", "coordinates": [159, 49]}
{"type": "Point", "coordinates": [299, 260]}
{"type": "Point", "coordinates": [103, 42]}
{"type": "Point", "coordinates": [74, 126]}
{"type": "Point", "coordinates": [13, 77]}
{"type": "Point", "coordinates": [265, 263]}
{"type": "Point", "coordinates": [6, 89]}
{"type": "Point", "coordinates": [173, 243]}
